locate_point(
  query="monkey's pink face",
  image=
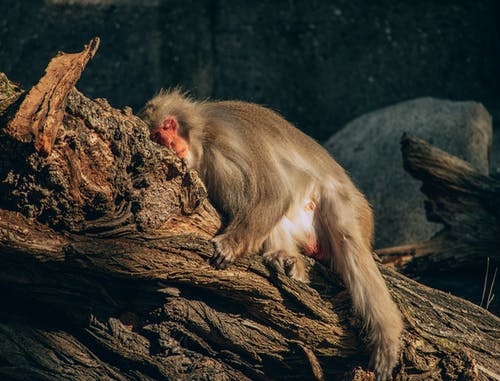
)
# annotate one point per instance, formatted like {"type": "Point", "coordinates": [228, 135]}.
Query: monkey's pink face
{"type": "Point", "coordinates": [167, 134]}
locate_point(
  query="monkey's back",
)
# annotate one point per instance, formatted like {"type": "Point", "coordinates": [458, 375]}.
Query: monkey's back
{"type": "Point", "coordinates": [283, 158]}
{"type": "Point", "coordinates": [257, 127]}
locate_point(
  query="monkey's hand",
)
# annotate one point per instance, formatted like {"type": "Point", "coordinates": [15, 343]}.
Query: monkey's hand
{"type": "Point", "coordinates": [224, 252]}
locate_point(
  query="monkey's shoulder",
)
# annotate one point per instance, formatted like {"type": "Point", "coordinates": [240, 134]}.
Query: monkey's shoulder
{"type": "Point", "coordinates": [252, 112]}
{"type": "Point", "coordinates": [246, 122]}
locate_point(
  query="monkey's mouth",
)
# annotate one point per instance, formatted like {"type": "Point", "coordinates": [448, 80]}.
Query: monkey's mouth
{"type": "Point", "coordinates": [182, 153]}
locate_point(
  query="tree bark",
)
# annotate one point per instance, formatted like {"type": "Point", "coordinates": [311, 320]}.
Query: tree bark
{"type": "Point", "coordinates": [104, 240]}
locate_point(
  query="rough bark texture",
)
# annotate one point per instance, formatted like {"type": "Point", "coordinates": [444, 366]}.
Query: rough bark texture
{"type": "Point", "coordinates": [103, 248]}
{"type": "Point", "coordinates": [466, 202]}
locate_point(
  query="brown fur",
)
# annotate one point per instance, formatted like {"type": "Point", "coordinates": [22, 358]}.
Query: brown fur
{"type": "Point", "coordinates": [261, 172]}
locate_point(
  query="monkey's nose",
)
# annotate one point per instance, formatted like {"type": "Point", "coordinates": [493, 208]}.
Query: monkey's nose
{"type": "Point", "coordinates": [154, 136]}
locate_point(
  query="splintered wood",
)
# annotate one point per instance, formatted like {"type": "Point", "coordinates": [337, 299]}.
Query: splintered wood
{"type": "Point", "coordinates": [41, 112]}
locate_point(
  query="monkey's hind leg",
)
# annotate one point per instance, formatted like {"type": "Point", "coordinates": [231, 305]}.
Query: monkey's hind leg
{"type": "Point", "coordinates": [282, 255]}
{"type": "Point", "coordinates": [291, 264]}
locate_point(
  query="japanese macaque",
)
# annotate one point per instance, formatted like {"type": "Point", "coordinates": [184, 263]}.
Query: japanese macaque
{"type": "Point", "coordinates": [283, 195]}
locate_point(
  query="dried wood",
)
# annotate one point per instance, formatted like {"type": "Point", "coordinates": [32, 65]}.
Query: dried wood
{"type": "Point", "coordinates": [466, 202]}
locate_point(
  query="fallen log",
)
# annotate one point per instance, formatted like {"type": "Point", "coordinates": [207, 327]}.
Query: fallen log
{"type": "Point", "coordinates": [104, 240]}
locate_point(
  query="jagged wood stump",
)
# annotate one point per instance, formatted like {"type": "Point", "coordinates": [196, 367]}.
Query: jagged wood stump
{"type": "Point", "coordinates": [104, 240]}
{"type": "Point", "coordinates": [466, 202]}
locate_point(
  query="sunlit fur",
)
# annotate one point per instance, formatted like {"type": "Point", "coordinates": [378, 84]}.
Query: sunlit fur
{"type": "Point", "coordinates": [262, 173]}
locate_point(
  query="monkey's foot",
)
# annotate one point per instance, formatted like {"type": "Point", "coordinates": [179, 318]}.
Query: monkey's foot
{"type": "Point", "coordinates": [291, 265]}
{"type": "Point", "coordinates": [224, 254]}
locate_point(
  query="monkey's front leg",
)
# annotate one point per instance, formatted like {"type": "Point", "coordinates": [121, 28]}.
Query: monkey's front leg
{"type": "Point", "coordinates": [280, 251]}
{"type": "Point", "coordinates": [247, 232]}
{"type": "Point", "coordinates": [227, 250]}
{"type": "Point", "coordinates": [281, 256]}
{"type": "Point", "coordinates": [237, 241]}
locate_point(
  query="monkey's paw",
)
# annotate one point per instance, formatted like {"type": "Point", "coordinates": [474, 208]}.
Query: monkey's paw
{"type": "Point", "coordinates": [291, 265]}
{"type": "Point", "coordinates": [224, 254]}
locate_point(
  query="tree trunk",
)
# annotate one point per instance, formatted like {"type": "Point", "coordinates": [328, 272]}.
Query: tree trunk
{"type": "Point", "coordinates": [104, 240]}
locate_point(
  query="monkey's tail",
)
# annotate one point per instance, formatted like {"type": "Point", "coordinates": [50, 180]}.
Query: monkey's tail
{"type": "Point", "coordinates": [341, 216]}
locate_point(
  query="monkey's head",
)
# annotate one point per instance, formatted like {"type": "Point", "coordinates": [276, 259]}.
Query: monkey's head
{"type": "Point", "coordinates": [157, 109]}
{"type": "Point", "coordinates": [167, 134]}
{"type": "Point", "coordinates": [166, 115]}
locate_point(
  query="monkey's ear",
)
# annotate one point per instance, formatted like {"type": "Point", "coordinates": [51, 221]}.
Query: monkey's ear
{"type": "Point", "coordinates": [170, 124]}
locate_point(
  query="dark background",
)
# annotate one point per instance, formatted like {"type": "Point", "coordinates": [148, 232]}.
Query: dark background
{"type": "Point", "coordinates": [319, 63]}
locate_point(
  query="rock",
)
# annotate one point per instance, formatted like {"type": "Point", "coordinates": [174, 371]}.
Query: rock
{"type": "Point", "coordinates": [369, 149]}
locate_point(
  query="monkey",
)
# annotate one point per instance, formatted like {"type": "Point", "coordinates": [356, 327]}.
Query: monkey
{"type": "Point", "coordinates": [283, 195]}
